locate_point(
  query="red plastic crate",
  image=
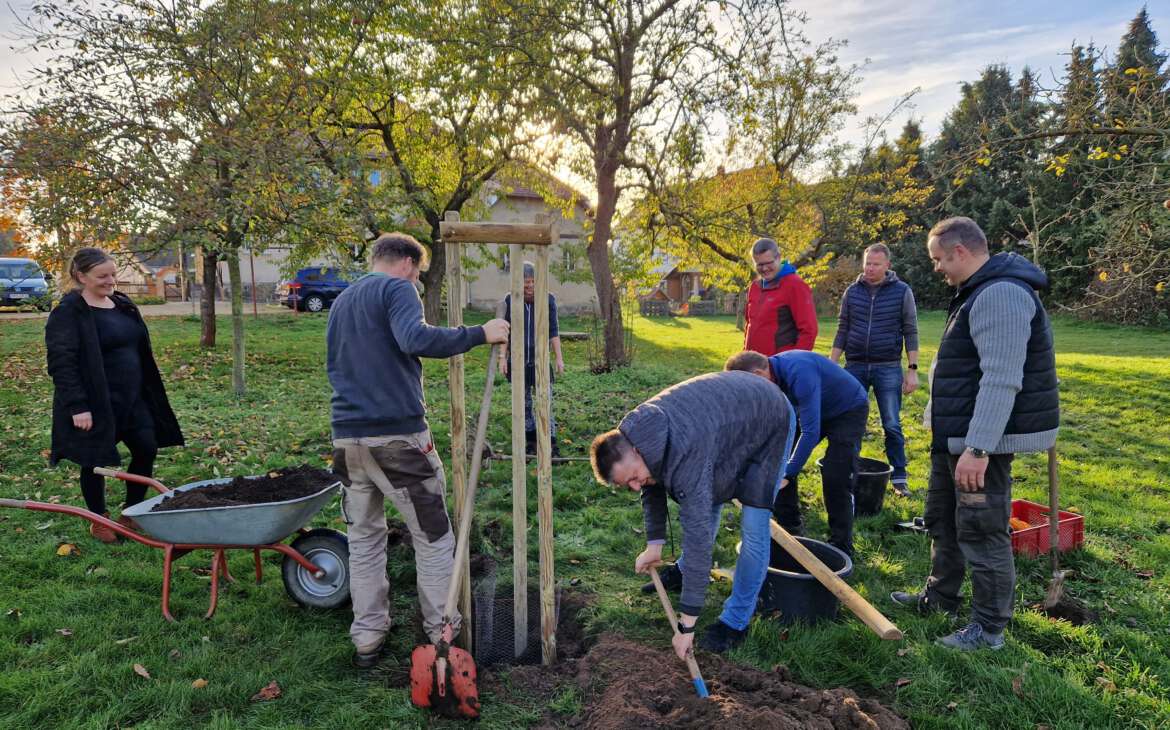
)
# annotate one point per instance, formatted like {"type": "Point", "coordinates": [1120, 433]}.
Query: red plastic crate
{"type": "Point", "coordinates": [1034, 540]}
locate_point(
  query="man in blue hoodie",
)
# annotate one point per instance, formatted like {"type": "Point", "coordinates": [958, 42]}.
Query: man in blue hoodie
{"type": "Point", "coordinates": [382, 445]}
{"type": "Point", "coordinates": [830, 404]}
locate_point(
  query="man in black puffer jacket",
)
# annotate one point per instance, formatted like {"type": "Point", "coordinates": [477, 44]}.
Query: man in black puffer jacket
{"type": "Point", "coordinates": [993, 393]}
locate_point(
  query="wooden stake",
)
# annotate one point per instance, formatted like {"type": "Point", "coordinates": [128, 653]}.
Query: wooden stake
{"type": "Point", "coordinates": [519, 466]}
{"type": "Point", "coordinates": [532, 234]}
{"type": "Point", "coordinates": [455, 379]}
{"type": "Point", "coordinates": [543, 407]}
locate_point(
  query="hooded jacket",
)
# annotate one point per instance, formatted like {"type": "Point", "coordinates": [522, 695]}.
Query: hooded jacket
{"type": "Point", "coordinates": [780, 314]}
{"type": "Point", "coordinates": [706, 441]}
{"type": "Point", "coordinates": [993, 382]}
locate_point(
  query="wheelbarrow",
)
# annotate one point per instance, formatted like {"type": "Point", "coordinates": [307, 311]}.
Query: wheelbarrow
{"type": "Point", "coordinates": [316, 565]}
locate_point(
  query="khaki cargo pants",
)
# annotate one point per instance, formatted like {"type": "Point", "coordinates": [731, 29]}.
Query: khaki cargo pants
{"type": "Point", "coordinates": [406, 469]}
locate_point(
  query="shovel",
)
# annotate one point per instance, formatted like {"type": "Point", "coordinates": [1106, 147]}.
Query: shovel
{"type": "Point", "coordinates": [696, 676]}
{"type": "Point", "coordinates": [442, 676]}
{"type": "Point", "coordinates": [1056, 586]}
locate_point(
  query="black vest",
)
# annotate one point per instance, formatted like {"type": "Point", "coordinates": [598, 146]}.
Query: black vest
{"type": "Point", "coordinates": [955, 381]}
{"type": "Point", "coordinates": [875, 321]}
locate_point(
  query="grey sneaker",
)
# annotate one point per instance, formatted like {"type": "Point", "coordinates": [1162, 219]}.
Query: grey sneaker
{"type": "Point", "coordinates": [900, 488]}
{"type": "Point", "coordinates": [972, 637]}
{"type": "Point", "coordinates": [922, 603]}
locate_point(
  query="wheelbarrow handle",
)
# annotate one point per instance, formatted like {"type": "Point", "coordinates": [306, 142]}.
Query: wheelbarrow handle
{"type": "Point", "coordinates": [128, 477]}
{"type": "Point", "coordinates": [15, 503]}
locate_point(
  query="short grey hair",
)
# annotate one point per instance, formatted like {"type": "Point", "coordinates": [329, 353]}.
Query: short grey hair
{"type": "Point", "coordinates": [960, 230]}
{"type": "Point", "coordinates": [764, 245]}
{"type": "Point", "coordinates": [529, 270]}
{"type": "Point", "coordinates": [878, 248]}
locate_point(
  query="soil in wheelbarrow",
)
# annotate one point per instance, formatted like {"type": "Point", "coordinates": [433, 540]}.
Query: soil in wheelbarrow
{"type": "Point", "coordinates": [276, 486]}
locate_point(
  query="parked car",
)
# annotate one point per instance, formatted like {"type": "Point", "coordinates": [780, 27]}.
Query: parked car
{"type": "Point", "coordinates": [22, 283]}
{"type": "Point", "coordinates": [312, 289]}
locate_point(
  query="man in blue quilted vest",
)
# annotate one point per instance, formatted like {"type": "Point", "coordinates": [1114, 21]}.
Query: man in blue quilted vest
{"type": "Point", "coordinates": [993, 394]}
{"type": "Point", "coordinates": [878, 317]}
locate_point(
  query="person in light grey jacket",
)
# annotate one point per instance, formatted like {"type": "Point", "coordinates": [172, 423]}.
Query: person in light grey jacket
{"type": "Point", "coordinates": [704, 442]}
{"type": "Point", "coordinates": [993, 393]}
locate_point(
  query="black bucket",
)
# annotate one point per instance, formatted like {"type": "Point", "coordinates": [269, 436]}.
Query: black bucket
{"type": "Point", "coordinates": [870, 491]}
{"type": "Point", "coordinates": [795, 592]}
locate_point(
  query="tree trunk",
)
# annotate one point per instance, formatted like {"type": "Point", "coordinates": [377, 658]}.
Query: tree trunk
{"type": "Point", "coordinates": [207, 300]}
{"type": "Point", "coordinates": [740, 308]}
{"type": "Point", "coordinates": [598, 253]}
{"type": "Point", "coordinates": [432, 279]}
{"type": "Point", "coordinates": [237, 283]}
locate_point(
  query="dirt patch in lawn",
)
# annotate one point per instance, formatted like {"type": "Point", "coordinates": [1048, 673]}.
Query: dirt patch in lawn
{"type": "Point", "coordinates": [631, 685]}
{"type": "Point", "coordinates": [276, 486]}
{"type": "Point", "coordinates": [623, 684]}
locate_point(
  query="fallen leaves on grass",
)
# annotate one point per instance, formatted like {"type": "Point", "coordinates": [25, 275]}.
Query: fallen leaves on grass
{"type": "Point", "coordinates": [127, 640]}
{"type": "Point", "coordinates": [952, 706]}
{"type": "Point", "coordinates": [1145, 574]}
{"type": "Point", "coordinates": [175, 654]}
{"type": "Point", "coordinates": [141, 671]}
{"type": "Point", "coordinates": [902, 682]}
{"type": "Point", "coordinates": [270, 692]}
{"type": "Point", "coordinates": [903, 651]}
{"type": "Point", "coordinates": [1106, 685]}
{"type": "Point", "coordinates": [13, 613]}
{"type": "Point", "coordinates": [199, 683]}
{"type": "Point", "coordinates": [65, 632]}
{"type": "Point", "coordinates": [66, 549]}
{"type": "Point", "coordinates": [1018, 686]}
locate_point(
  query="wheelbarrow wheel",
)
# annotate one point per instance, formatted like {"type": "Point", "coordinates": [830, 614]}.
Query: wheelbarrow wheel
{"type": "Point", "coordinates": [329, 551]}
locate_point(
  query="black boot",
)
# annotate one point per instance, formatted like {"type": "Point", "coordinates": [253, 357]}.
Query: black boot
{"type": "Point", "coordinates": [530, 443]}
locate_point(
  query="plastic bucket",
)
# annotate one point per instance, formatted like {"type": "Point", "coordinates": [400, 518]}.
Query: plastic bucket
{"type": "Point", "coordinates": [795, 592]}
{"type": "Point", "coordinates": [869, 493]}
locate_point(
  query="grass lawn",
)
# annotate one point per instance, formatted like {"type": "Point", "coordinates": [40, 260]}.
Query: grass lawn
{"type": "Point", "coordinates": [72, 628]}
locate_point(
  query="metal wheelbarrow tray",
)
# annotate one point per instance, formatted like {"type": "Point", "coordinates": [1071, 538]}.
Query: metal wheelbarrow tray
{"type": "Point", "coordinates": [315, 570]}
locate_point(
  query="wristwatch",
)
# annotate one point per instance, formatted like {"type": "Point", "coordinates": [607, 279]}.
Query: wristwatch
{"type": "Point", "coordinates": [685, 629]}
{"type": "Point", "coordinates": [913, 366]}
{"type": "Point", "coordinates": [977, 453]}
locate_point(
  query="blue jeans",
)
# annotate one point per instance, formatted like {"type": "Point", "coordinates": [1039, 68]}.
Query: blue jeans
{"type": "Point", "coordinates": [755, 552]}
{"type": "Point", "coordinates": [886, 381]}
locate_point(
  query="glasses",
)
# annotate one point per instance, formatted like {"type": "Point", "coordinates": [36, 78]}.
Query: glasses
{"type": "Point", "coordinates": [761, 265]}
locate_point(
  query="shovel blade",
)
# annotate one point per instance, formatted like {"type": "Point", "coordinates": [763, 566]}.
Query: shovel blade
{"type": "Point", "coordinates": [461, 695]}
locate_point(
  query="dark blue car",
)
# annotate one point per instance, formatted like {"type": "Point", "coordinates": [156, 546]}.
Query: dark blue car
{"type": "Point", "coordinates": [312, 289]}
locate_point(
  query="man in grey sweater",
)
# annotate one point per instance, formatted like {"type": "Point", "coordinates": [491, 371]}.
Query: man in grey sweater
{"type": "Point", "coordinates": [993, 393]}
{"type": "Point", "coordinates": [382, 445]}
{"type": "Point", "coordinates": [704, 442]}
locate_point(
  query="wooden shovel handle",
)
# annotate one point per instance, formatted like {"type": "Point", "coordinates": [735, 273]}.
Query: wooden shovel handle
{"type": "Point", "coordinates": [691, 663]}
{"type": "Point", "coordinates": [1054, 511]}
{"type": "Point", "coordinates": [862, 608]}
{"type": "Point", "coordinates": [472, 482]}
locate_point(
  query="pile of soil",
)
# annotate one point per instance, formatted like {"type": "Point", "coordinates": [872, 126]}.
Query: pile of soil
{"type": "Point", "coordinates": [626, 685]}
{"type": "Point", "coordinates": [277, 486]}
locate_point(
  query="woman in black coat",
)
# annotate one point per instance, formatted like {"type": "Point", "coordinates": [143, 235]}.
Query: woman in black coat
{"type": "Point", "coordinates": [107, 387]}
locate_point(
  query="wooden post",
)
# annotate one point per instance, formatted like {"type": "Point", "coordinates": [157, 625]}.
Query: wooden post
{"type": "Point", "coordinates": [519, 464]}
{"type": "Point", "coordinates": [543, 406]}
{"type": "Point", "coordinates": [455, 380]}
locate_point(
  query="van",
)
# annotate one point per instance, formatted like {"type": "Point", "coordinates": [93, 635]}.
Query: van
{"type": "Point", "coordinates": [22, 284]}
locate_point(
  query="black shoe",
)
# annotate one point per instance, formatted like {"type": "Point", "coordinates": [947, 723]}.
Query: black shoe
{"type": "Point", "coordinates": [922, 603]}
{"type": "Point", "coordinates": [671, 578]}
{"type": "Point", "coordinates": [721, 638]}
{"type": "Point", "coordinates": [368, 660]}
{"type": "Point", "coordinates": [530, 443]}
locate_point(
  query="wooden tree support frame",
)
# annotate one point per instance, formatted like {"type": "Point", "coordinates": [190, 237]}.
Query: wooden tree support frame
{"type": "Point", "coordinates": [518, 236]}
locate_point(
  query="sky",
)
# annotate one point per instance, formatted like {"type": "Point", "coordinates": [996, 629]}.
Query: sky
{"type": "Point", "coordinates": [933, 45]}
{"type": "Point", "coordinates": [936, 45]}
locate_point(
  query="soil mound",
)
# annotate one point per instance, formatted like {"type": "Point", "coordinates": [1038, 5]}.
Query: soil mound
{"type": "Point", "coordinates": [276, 486]}
{"type": "Point", "coordinates": [627, 685]}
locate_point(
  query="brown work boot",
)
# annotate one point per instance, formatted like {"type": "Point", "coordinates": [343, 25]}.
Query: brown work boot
{"type": "Point", "coordinates": [103, 533]}
{"type": "Point", "coordinates": [128, 523]}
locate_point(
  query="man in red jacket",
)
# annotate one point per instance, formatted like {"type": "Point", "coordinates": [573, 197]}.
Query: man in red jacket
{"type": "Point", "coordinates": [780, 315]}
